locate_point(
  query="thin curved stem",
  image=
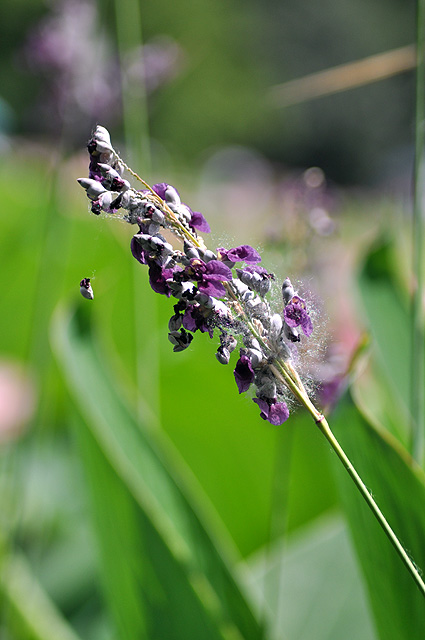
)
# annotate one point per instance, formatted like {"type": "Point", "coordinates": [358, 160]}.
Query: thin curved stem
{"type": "Point", "coordinates": [326, 430]}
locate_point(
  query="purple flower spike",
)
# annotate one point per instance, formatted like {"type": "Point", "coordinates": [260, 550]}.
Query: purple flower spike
{"type": "Point", "coordinates": [198, 222]}
{"type": "Point", "coordinates": [276, 413]}
{"type": "Point", "coordinates": [244, 374]}
{"type": "Point", "coordinates": [296, 315]}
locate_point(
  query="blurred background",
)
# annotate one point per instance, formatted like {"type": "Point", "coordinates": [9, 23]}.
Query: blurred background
{"type": "Point", "coordinates": [195, 94]}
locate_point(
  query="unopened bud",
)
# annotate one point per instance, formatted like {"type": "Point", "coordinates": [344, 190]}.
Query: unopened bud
{"type": "Point", "coordinates": [171, 195]}
{"type": "Point", "coordinates": [291, 333]}
{"type": "Point", "coordinates": [275, 326]}
{"type": "Point", "coordinates": [209, 255]}
{"type": "Point", "coordinates": [92, 187]}
{"type": "Point", "coordinates": [191, 251]}
{"type": "Point", "coordinates": [204, 300]}
{"type": "Point", "coordinates": [287, 291]}
{"type": "Point", "coordinates": [256, 357]}
{"type": "Point", "coordinates": [86, 289]}
{"type": "Point", "coordinates": [223, 355]}
{"type": "Point", "coordinates": [180, 339]}
{"type": "Point", "coordinates": [175, 322]}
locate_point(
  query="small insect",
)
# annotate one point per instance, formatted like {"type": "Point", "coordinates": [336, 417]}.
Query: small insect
{"type": "Point", "coordinates": [86, 289]}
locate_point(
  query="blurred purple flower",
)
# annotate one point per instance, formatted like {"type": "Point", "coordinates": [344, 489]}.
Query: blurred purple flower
{"type": "Point", "coordinates": [70, 49]}
{"type": "Point", "coordinates": [155, 63]}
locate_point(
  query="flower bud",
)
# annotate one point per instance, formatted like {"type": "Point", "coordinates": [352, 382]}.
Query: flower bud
{"type": "Point", "coordinates": [180, 339]}
{"type": "Point", "coordinates": [191, 251]}
{"type": "Point", "coordinates": [263, 287]}
{"type": "Point", "coordinates": [266, 387]}
{"type": "Point", "coordinates": [204, 300]}
{"type": "Point", "coordinates": [171, 195]}
{"type": "Point", "coordinates": [256, 356]}
{"type": "Point", "coordinates": [86, 289]}
{"type": "Point", "coordinates": [158, 216]}
{"type": "Point", "coordinates": [175, 322]}
{"type": "Point", "coordinates": [287, 291]}
{"type": "Point", "coordinates": [275, 326]}
{"type": "Point", "coordinates": [209, 255]}
{"type": "Point", "coordinates": [291, 333]}
{"type": "Point", "coordinates": [223, 355]}
{"type": "Point", "coordinates": [92, 187]}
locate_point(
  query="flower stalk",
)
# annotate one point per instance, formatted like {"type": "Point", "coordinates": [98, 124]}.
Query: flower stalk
{"type": "Point", "coordinates": [213, 295]}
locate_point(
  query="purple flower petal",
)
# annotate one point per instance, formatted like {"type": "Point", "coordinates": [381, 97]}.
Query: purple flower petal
{"type": "Point", "coordinates": [307, 325]}
{"type": "Point", "coordinates": [276, 413]}
{"type": "Point", "coordinates": [212, 288]}
{"type": "Point", "coordinates": [160, 189]}
{"type": "Point", "coordinates": [244, 253]}
{"type": "Point", "coordinates": [198, 221]}
{"type": "Point", "coordinates": [244, 374]}
{"type": "Point", "coordinates": [296, 315]}
{"type": "Point", "coordinates": [189, 319]}
{"type": "Point", "coordinates": [264, 407]}
{"type": "Point", "coordinates": [137, 251]}
{"type": "Point", "coordinates": [158, 277]}
{"type": "Point", "coordinates": [216, 270]}
{"type": "Point", "coordinates": [251, 268]}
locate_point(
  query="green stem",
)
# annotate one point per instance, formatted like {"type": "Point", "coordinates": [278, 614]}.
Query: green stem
{"type": "Point", "coordinates": [325, 429]}
{"type": "Point", "coordinates": [320, 420]}
{"type": "Point", "coordinates": [418, 351]}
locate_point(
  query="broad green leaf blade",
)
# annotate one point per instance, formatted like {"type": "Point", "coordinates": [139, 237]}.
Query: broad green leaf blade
{"type": "Point", "coordinates": [389, 323]}
{"type": "Point", "coordinates": [152, 492]}
{"type": "Point", "coordinates": [398, 486]}
{"type": "Point", "coordinates": [149, 593]}
{"type": "Point", "coordinates": [312, 585]}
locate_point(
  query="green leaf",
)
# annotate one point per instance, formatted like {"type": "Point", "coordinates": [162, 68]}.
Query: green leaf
{"type": "Point", "coordinates": [398, 486]}
{"type": "Point", "coordinates": [164, 574]}
{"type": "Point", "coordinates": [389, 323]}
{"type": "Point", "coordinates": [27, 609]}
{"type": "Point", "coordinates": [312, 585]}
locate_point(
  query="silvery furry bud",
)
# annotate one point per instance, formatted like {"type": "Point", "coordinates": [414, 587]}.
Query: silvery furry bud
{"type": "Point", "coordinates": [175, 322]}
{"type": "Point", "coordinates": [171, 195]}
{"type": "Point", "coordinates": [180, 339]}
{"type": "Point", "coordinates": [158, 216]}
{"type": "Point", "coordinates": [275, 326]}
{"type": "Point", "coordinates": [102, 140]}
{"type": "Point", "coordinates": [287, 291]}
{"type": "Point", "coordinates": [223, 355]}
{"type": "Point", "coordinates": [209, 255]}
{"type": "Point", "coordinates": [205, 300]}
{"type": "Point", "coordinates": [291, 333]}
{"type": "Point", "coordinates": [86, 289]}
{"type": "Point", "coordinates": [92, 187]}
{"type": "Point", "coordinates": [191, 251]}
{"type": "Point", "coordinates": [256, 357]}
{"type": "Point", "coordinates": [266, 387]}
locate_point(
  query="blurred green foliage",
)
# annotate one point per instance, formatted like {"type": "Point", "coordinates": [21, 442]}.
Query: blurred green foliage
{"type": "Point", "coordinates": [233, 51]}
